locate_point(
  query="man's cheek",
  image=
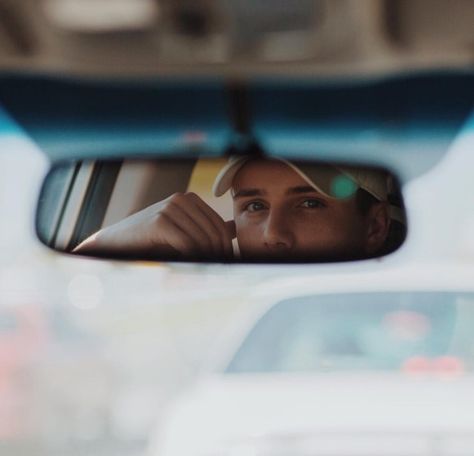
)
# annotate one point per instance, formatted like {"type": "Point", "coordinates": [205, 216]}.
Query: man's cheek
{"type": "Point", "coordinates": [321, 236]}
{"type": "Point", "coordinates": [247, 233]}
{"type": "Point", "coordinates": [243, 232]}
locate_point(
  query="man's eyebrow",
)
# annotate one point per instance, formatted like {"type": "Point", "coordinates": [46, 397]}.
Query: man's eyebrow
{"type": "Point", "coordinates": [249, 192]}
{"type": "Point", "coordinates": [301, 189]}
{"type": "Point", "coordinates": [246, 192]}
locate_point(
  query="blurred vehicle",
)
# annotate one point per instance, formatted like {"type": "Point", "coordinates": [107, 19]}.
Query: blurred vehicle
{"type": "Point", "coordinates": [347, 364]}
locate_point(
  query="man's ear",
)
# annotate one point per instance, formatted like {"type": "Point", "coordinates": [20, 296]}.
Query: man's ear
{"type": "Point", "coordinates": [377, 227]}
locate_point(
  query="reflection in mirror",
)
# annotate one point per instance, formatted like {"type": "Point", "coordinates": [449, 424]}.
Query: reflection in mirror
{"type": "Point", "coordinates": [240, 209]}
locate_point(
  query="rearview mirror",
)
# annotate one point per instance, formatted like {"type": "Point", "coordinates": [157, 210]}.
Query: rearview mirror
{"type": "Point", "coordinates": [238, 209]}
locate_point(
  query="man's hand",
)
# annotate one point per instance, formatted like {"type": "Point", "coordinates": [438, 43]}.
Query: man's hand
{"type": "Point", "coordinates": [181, 225]}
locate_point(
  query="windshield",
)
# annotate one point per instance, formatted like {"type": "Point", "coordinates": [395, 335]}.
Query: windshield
{"type": "Point", "coordinates": [363, 331]}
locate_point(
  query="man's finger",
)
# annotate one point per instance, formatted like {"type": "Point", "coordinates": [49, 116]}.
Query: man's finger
{"type": "Point", "coordinates": [192, 205]}
{"type": "Point", "coordinates": [188, 223]}
{"type": "Point", "coordinates": [176, 237]}
{"type": "Point", "coordinates": [230, 227]}
{"type": "Point", "coordinates": [218, 223]}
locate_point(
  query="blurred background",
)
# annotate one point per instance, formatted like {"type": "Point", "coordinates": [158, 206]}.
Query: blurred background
{"type": "Point", "coordinates": [91, 352]}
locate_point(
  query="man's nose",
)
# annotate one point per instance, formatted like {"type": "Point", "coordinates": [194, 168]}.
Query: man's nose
{"type": "Point", "coordinates": [277, 231]}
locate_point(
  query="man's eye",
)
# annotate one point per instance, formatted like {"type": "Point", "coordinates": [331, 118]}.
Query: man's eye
{"type": "Point", "coordinates": [313, 204]}
{"type": "Point", "coordinates": [254, 206]}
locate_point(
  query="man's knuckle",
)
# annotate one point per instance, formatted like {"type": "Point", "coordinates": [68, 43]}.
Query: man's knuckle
{"type": "Point", "coordinates": [160, 218]}
{"type": "Point", "coordinates": [191, 196]}
{"type": "Point", "coordinates": [176, 197]}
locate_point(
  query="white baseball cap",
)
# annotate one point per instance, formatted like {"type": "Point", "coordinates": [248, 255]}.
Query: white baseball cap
{"type": "Point", "coordinates": [332, 181]}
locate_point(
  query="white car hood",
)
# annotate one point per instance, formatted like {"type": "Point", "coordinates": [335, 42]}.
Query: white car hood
{"type": "Point", "coordinates": [222, 411]}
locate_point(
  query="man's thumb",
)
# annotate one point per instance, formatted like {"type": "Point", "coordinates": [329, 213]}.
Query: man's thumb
{"type": "Point", "coordinates": [230, 227]}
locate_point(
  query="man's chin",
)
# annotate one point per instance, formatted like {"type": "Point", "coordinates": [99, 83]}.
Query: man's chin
{"type": "Point", "coordinates": [290, 256]}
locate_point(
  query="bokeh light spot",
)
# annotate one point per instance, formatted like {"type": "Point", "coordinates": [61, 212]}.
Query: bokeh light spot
{"type": "Point", "coordinates": [343, 187]}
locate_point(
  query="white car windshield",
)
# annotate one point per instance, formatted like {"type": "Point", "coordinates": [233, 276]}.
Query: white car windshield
{"type": "Point", "coordinates": [408, 331]}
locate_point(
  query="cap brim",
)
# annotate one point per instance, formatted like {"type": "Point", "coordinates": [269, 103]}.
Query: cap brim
{"type": "Point", "coordinates": [321, 178]}
{"type": "Point", "coordinates": [226, 175]}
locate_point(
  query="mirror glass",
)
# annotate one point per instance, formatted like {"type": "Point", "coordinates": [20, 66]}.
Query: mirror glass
{"type": "Point", "coordinates": [237, 209]}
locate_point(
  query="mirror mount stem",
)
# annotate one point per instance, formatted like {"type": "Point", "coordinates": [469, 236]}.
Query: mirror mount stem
{"type": "Point", "coordinates": [244, 145]}
{"type": "Point", "coordinates": [243, 141]}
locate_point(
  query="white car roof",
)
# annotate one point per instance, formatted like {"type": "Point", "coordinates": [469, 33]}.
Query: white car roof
{"type": "Point", "coordinates": [411, 277]}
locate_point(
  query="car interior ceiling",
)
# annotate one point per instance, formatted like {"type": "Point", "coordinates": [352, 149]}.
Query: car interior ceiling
{"type": "Point", "coordinates": [49, 34]}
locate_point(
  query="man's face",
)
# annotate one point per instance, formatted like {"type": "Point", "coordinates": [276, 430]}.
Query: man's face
{"type": "Point", "coordinates": [277, 214]}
